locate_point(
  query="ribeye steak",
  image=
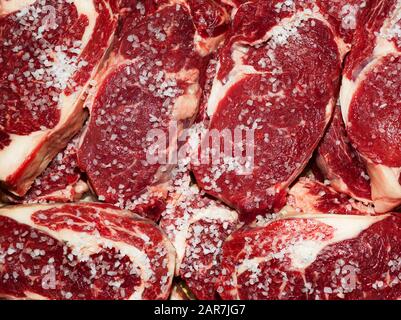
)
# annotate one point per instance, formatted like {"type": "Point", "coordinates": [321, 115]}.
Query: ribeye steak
{"type": "Point", "coordinates": [50, 50]}
{"type": "Point", "coordinates": [315, 257]}
{"type": "Point", "coordinates": [152, 79]}
{"type": "Point", "coordinates": [370, 101]}
{"type": "Point", "coordinates": [278, 74]}
{"type": "Point", "coordinates": [82, 251]}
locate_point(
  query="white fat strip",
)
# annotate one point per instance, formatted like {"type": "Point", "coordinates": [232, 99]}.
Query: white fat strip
{"type": "Point", "coordinates": [206, 46]}
{"type": "Point", "coordinates": [10, 6]}
{"type": "Point", "coordinates": [87, 8]}
{"type": "Point", "coordinates": [386, 190]}
{"type": "Point", "coordinates": [17, 152]}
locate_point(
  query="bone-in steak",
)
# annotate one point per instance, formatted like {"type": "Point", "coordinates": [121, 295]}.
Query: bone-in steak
{"type": "Point", "coordinates": [82, 251]}
{"type": "Point", "coordinates": [50, 50]}
{"type": "Point", "coordinates": [314, 257]}
{"type": "Point", "coordinates": [278, 75]}
{"type": "Point", "coordinates": [152, 82]}
{"type": "Point", "coordinates": [370, 101]}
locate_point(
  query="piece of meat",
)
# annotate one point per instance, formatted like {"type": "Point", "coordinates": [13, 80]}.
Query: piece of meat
{"type": "Point", "coordinates": [309, 196]}
{"type": "Point", "coordinates": [197, 226]}
{"type": "Point", "coordinates": [341, 164]}
{"type": "Point", "coordinates": [315, 257]}
{"type": "Point", "coordinates": [82, 251]}
{"type": "Point", "coordinates": [60, 182]}
{"type": "Point", "coordinates": [345, 16]}
{"type": "Point", "coordinates": [278, 79]}
{"type": "Point", "coordinates": [148, 90]}
{"type": "Point", "coordinates": [51, 50]}
{"type": "Point", "coordinates": [370, 101]}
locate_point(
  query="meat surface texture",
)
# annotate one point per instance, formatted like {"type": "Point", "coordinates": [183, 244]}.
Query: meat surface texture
{"type": "Point", "coordinates": [370, 101]}
{"type": "Point", "coordinates": [197, 227]}
{"type": "Point", "coordinates": [60, 182]}
{"type": "Point", "coordinates": [150, 87]}
{"type": "Point", "coordinates": [278, 78]}
{"type": "Point", "coordinates": [82, 251]}
{"type": "Point", "coordinates": [314, 257]}
{"type": "Point", "coordinates": [341, 164]}
{"type": "Point", "coordinates": [345, 16]}
{"type": "Point", "coordinates": [310, 196]}
{"type": "Point", "coordinates": [51, 49]}
{"type": "Point", "coordinates": [62, 179]}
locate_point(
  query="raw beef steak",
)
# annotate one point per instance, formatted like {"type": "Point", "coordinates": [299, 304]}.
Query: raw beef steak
{"type": "Point", "coordinates": [309, 196]}
{"type": "Point", "coordinates": [278, 77]}
{"type": "Point", "coordinates": [50, 50]}
{"type": "Point", "coordinates": [370, 101]}
{"type": "Point", "coordinates": [315, 257]}
{"type": "Point", "coordinates": [149, 89]}
{"type": "Point", "coordinates": [341, 164]}
{"type": "Point", "coordinates": [198, 227]}
{"type": "Point", "coordinates": [82, 251]}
